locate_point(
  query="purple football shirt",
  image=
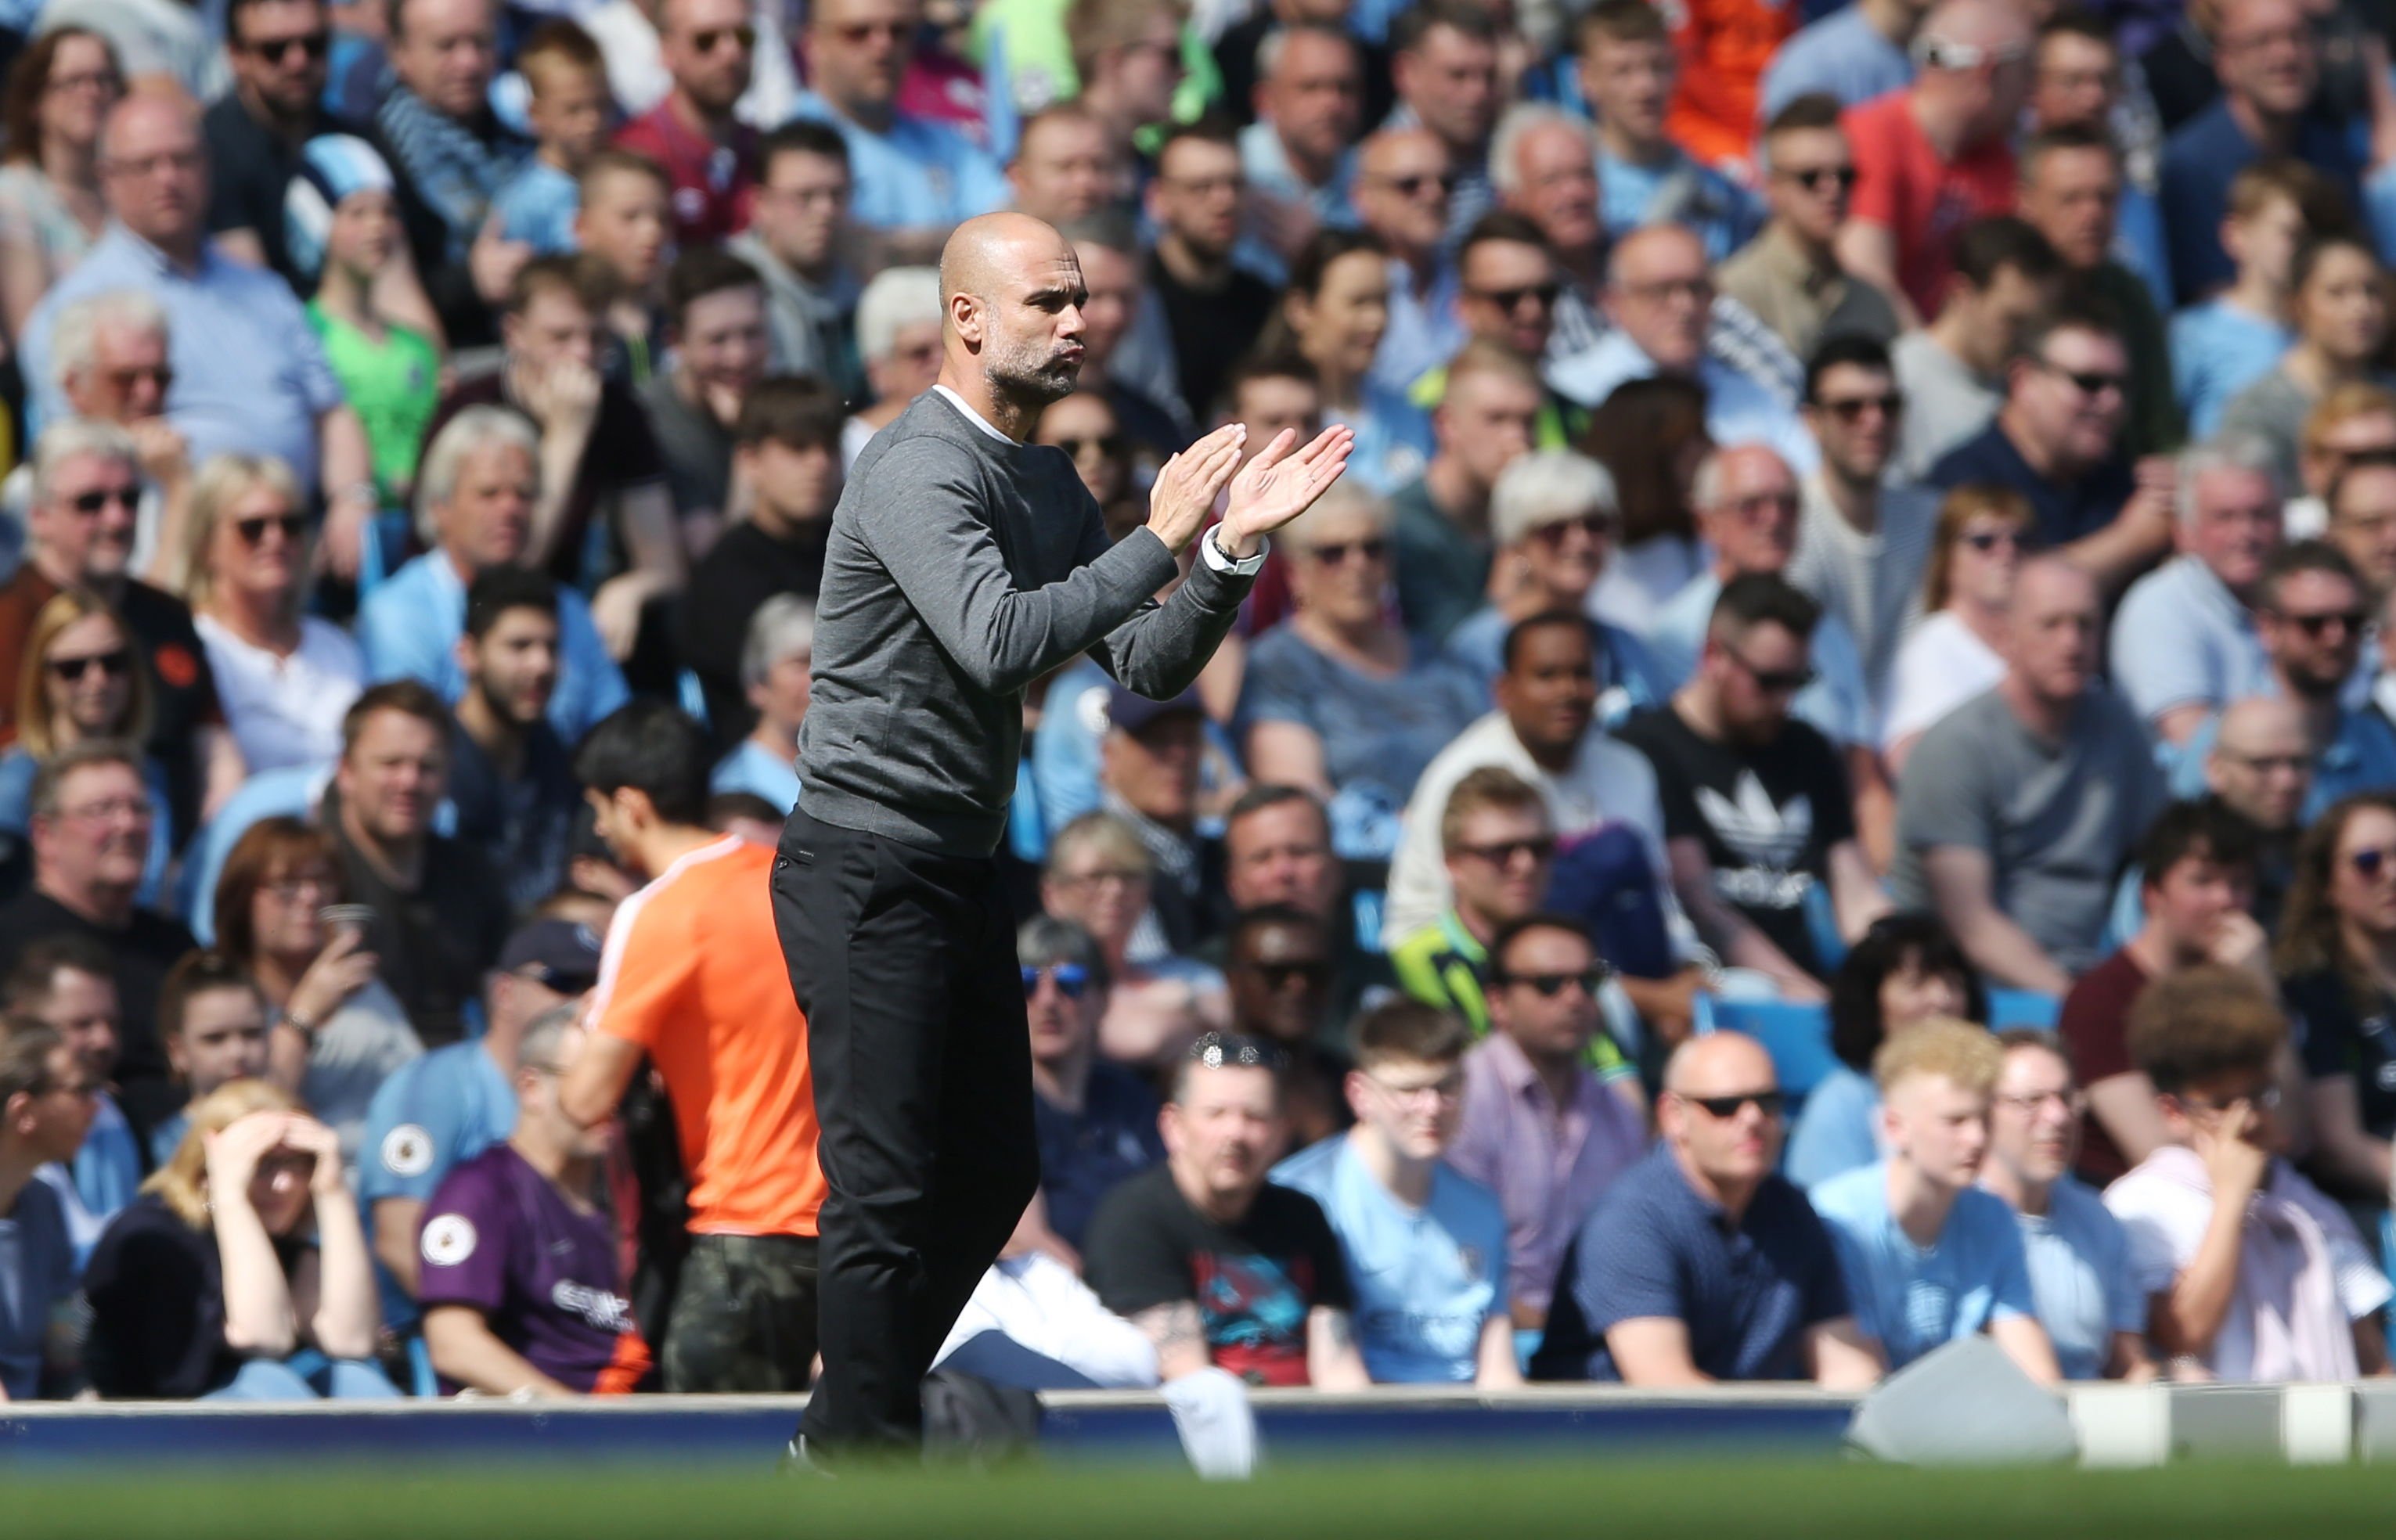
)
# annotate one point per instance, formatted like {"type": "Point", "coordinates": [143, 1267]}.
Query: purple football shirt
{"type": "Point", "coordinates": [498, 1237]}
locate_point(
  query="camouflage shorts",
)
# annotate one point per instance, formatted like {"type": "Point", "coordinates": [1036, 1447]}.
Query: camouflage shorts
{"type": "Point", "coordinates": [744, 1316]}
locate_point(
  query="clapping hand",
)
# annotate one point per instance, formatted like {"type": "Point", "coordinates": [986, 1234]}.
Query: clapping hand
{"type": "Point", "coordinates": [1277, 486]}
{"type": "Point", "coordinates": [1187, 488]}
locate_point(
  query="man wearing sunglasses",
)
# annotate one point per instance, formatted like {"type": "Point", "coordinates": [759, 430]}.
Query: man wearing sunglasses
{"type": "Point", "coordinates": [2313, 612]}
{"type": "Point", "coordinates": [2057, 440]}
{"type": "Point", "coordinates": [256, 131]}
{"type": "Point", "coordinates": [1789, 276]}
{"type": "Point", "coordinates": [708, 49]}
{"type": "Point", "coordinates": [1930, 1258]}
{"type": "Point", "coordinates": [1759, 825]}
{"type": "Point", "coordinates": [1097, 1121]}
{"type": "Point", "coordinates": [1538, 1128]}
{"type": "Point", "coordinates": [1703, 1265]}
{"type": "Point", "coordinates": [1405, 181]}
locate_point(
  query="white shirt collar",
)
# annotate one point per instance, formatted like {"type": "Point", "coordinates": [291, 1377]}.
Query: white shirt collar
{"type": "Point", "coordinates": [971, 416]}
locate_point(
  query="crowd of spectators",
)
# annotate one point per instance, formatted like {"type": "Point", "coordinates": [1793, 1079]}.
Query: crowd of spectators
{"type": "Point", "coordinates": [1825, 783]}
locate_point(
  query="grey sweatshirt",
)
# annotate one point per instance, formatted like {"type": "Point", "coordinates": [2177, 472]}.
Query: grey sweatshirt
{"type": "Point", "coordinates": [961, 568]}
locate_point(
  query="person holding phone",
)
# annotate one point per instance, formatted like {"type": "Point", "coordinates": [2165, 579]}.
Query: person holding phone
{"type": "Point", "coordinates": [337, 1031]}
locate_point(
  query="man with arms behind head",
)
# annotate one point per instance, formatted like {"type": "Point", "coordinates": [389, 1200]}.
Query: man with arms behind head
{"type": "Point", "coordinates": [953, 581]}
{"type": "Point", "coordinates": [1702, 1264]}
{"type": "Point", "coordinates": [1216, 1264]}
{"type": "Point", "coordinates": [1929, 1258]}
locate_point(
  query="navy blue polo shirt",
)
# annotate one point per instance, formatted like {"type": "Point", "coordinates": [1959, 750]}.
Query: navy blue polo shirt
{"type": "Point", "coordinates": [2200, 161]}
{"type": "Point", "coordinates": [1748, 1292]}
{"type": "Point", "coordinates": [1083, 1154]}
{"type": "Point", "coordinates": [2066, 512]}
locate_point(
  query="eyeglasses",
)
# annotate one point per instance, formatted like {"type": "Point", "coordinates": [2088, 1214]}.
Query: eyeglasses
{"type": "Point", "coordinates": [2088, 382]}
{"type": "Point", "coordinates": [1812, 177]}
{"type": "Point", "coordinates": [1940, 54]}
{"type": "Point", "coordinates": [132, 809]}
{"type": "Point", "coordinates": [1549, 985]}
{"type": "Point", "coordinates": [1510, 299]}
{"type": "Point", "coordinates": [2074, 1102]}
{"type": "Point", "coordinates": [1986, 540]}
{"type": "Point", "coordinates": [1769, 1103]}
{"type": "Point", "coordinates": [253, 531]}
{"type": "Point", "coordinates": [1416, 186]}
{"type": "Point", "coordinates": [1111, 446]}
{"type": "Point", "coordinates": [2317, 625]}
{"type": "Point", "coordinates": [316, 885]}
{"type": "Point", "coordinates": [1774, 680]}
{"type": "Point", "coordinates": [1851, 408]}
{"type": "Point", "coordinates": [311, 47]}
{"type": "Point", "coordinates": [1447, 1088]}
{"type": "Point", "coordinates": [745, 36]}
{"type": "Point", "coordinates": [126, 497]}
{"type": "Point", "coordinates": [112, 665]}
{"type": "Point", "coordinates": [108, 81]}
{"type": "Point", "coordinates": [1119, 876]}
{"type": "Point", "coordinates": [1071, 978]}
{"type": "Point", "coordinates": [162, 375]}
{"type": "Point", "coordinates": [1338, 551]}
{"type": "Point", "coordinates": [1232, 1050]}
{"type": "Point", "coordinates": [1540, 847]}
{"type": "Point", "coordinates": [1278, 976]}
{"type": "Point", "coordinates": [1597, 527]}
{"type": "Point", "coordinates": [2374, 863]}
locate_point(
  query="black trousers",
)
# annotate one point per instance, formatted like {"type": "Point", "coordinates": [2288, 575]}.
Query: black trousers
{"type": "Point", "coordinates": [904, 963]}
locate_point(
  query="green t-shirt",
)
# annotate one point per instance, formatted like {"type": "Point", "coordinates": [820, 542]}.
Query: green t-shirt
{"type": "Point", "coordinates": [393, 385]}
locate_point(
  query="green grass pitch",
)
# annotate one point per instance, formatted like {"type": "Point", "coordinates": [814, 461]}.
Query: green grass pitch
{"type": "Point", "coordinates": [1404, 1499]}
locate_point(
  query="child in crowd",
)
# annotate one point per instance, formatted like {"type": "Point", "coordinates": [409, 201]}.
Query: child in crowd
{"type": "Point", "coordinates": [2229, 341]}
{"type": "Point", "coordinates": [344, 226]}
{"type": "Point", "coordinates": [626, 216]}
{"type": "Point", "coordinates": [569, 113]}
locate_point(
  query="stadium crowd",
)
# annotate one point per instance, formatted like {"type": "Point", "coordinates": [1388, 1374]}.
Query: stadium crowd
{"type": "Point", "coordinates": [1825, 783]}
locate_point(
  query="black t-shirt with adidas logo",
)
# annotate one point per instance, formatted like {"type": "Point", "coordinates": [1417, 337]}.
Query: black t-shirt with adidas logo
{"type": "Point", "coordinates": [1767, 815]}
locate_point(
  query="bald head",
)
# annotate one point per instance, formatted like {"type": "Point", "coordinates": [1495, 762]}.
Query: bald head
{"type": "Point", "coordinates": [1011, 300]}
{"type": "Point", "coordinates": [1649, 248]}
{"type": "Point", "coordinates": [1402, 188]}
{"type": "Point", "coordinates": [1979, 23]}
{"type": "Point", "coordinates": [1720, 1064]}
{"type": "Point", "coordinates": [2262, 761]}
{"type": "Point", "coordinates": [2053, 630]}
{"type": "Point", "coordinates": [154, 170]}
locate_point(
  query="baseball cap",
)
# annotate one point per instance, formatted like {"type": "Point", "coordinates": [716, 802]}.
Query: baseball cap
{"type": "Point", "coordinates": [558, 953]}
{"type": "Point", "coordinates": [1132, 712]}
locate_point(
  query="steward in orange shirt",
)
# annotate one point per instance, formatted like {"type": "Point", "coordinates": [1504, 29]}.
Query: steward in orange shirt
{"type": "Point", "coordinates": [1724, 46]}
{"type": "Point", "coordinates": [692, 978]}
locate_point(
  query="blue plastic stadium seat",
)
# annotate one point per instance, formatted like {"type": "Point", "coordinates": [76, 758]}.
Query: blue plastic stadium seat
{"type": "Point", "coordinates": [1798, 1037]}
{"type": "Point", "coordinates": [2022, 1008]}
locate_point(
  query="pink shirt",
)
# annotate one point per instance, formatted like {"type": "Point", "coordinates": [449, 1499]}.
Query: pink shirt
{"type": "Point", "coordinates": [1547, 1166]}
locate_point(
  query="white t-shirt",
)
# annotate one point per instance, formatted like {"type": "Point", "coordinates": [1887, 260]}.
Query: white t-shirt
{"type": "Point", "coordinates": [286, 711]}
{"type": "Point", "coordinates": [1939, 666]}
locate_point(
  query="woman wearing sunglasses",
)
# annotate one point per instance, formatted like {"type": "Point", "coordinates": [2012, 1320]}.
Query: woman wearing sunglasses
{"type": "Point", "coordinates": [285, 678]}
{"type": "Point", "coordinates": [2336, 961]}
{"type": "Point", "coordinates": [59, 92]}
{"type": "Point", "coordinates": [1084, 426]}
{"type": "Point", "coordinates": [1337, 700]}
{"type": "Point", "coordinates": [1907, 970]}
{"type": "Point", "coordinates": [1098, 876]}
{"type": "Point", "coordinates": [2341, 314]}
{"type": "Point", "coordinates": [83, 680]}
{"type": "Point", "coordinates": [1951, 655]}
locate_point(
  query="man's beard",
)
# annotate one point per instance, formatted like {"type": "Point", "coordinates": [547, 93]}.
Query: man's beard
{"type": "Point", "coordinates": [1029, 375]}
